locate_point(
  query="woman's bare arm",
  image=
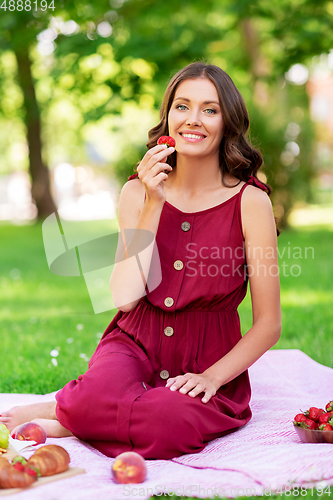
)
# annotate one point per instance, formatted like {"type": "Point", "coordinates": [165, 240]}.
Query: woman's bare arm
{"type": "Point", "coordinates": [261, 253]}
{"type": "Point", "coordinates": [138, 219]}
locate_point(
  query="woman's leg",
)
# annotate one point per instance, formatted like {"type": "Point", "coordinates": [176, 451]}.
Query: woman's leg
{"type": "Point", "coordinates": [20, 414]}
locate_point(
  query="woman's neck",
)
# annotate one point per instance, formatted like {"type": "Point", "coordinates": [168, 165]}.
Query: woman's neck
{"type": "Point", "coordinates": [192, 176]}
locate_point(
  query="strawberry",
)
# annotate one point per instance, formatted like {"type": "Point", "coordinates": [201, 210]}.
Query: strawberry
{"type": "Point", "coordinates": [31, 470]}
{"type": "Point", "coordinates": [300, 417]}
{"type": "Point", "coordinates": [324, 418]}
{"type": "Point", "coordinates": [166, 139]}
{"type": "Point", "coordinates": [310, 424]}
{"type": "Point", "coordinates": [313, 413]}
{"type": "Point", "coordinates": [329, 406]}
{"type": "Point", "coordinates": [325, 427]}
{"type": "Point", "coordinates": [18, 466]}
{"type": "Point", "coordinates": [19, 460]}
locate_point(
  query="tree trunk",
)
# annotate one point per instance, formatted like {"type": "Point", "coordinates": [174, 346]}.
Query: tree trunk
{"type": "Point", "coordinates": [259, 66]}
{"type": "Point", "coordinates": [40, 180]}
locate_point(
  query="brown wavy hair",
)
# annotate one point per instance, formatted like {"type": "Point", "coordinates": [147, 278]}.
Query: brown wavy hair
{"type": "Point", "coordinates": [237, 156]}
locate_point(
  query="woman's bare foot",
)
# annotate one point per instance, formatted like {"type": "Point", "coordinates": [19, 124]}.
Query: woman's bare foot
{"type": "Point", "coordinates": [20, 414]}
{"type": "Point", "coordinates": [53, 428]}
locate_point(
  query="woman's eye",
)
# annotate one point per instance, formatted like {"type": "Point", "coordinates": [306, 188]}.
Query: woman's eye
{"type": "Point", "coordinates": [182, 107]}
{"type": "Point", "coordinates": [211, 111]}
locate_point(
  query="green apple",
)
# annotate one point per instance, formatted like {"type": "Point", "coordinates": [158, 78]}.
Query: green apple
{"type": "Point", "coordinates": [4, 433]}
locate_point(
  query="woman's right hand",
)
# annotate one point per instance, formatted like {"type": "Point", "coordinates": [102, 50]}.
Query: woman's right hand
{"type": "Point", "coordinates": [151, 172]}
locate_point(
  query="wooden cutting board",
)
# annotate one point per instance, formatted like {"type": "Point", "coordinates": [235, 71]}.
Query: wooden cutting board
{"type": "Point", "coordinates": [11, 453]}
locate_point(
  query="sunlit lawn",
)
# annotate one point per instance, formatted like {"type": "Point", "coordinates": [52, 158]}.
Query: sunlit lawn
{"type": "Point", "coordinates": [41, 312]}
{"type": "Point", "coordinates": [307, 298]}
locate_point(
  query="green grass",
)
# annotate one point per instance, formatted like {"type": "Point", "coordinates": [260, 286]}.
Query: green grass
{"type": "Point", "coordinates": [41, 312]}
{"type": "Point", "coordinates": [307, 299]}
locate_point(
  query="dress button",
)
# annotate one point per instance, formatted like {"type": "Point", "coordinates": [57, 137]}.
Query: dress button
{"type": "Point", "coordinates": [164, 374]}
{"type": "Point", "coordinates": [168, 331]}
{"type": "Point", "coordinates": [186, 226]}
{"type": "Point", "coordinates": [178, 265]}
{"type": "Point", "coordinates": [169, 302]}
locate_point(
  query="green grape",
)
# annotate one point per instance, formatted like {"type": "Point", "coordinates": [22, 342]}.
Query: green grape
{"type": "Point", "coordinates": [4, 433]}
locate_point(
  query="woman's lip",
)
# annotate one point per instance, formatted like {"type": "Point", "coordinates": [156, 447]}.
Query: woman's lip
{"type": "Point", "coordinates": [198, 138]}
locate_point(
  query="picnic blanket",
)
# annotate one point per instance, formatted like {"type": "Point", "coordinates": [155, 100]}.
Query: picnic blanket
{"type": "Point", "coordinates": [263, 457]}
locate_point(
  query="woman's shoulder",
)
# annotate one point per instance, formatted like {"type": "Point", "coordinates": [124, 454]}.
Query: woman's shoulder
{"type": "Point", "coordinates": [133, 187]}
{"type": "Point", "coordinates": [256, 210]}
{"type": "Point", "coordinates": [132, 197]}
{"type": "Point", "coordinates": [255, 192]}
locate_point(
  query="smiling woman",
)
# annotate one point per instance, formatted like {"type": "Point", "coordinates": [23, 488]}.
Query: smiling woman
{"type": "Point", "coordinates": [170, 372]}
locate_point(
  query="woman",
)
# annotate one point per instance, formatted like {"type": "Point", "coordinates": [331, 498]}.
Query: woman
{"type": "Point", "coordinates": [170, 373]}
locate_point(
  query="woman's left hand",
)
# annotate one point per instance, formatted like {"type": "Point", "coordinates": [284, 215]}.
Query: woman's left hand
{"type": "Point", "coordinates": [193, 384]}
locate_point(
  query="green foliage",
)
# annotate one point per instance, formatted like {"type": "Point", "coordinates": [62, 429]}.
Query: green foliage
{"type": "Point", "coordinates": [277, 130]}
{"type": "Point", "coordinates": [94, 77]}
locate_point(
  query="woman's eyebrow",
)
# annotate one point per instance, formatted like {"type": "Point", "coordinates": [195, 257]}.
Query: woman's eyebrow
{"type": "Point", "coordinates": [205, 102]}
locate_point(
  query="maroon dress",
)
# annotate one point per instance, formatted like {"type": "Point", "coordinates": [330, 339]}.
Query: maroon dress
{"type": "Point", "coordinates": [188, 323]}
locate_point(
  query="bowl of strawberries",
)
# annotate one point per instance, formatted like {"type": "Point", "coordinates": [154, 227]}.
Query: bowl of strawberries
{"type": "Point", "coordinates": [315, 425]}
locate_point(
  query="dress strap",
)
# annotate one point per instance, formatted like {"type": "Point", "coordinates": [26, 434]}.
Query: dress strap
{"type": "Point", "coordinates": [253, 181]}
{"type": "Point", "coordinates": [133, 176]}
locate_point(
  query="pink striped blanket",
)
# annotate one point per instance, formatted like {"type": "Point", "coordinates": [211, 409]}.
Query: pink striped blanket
{"type": "Point", "coordinates": [264, 457]}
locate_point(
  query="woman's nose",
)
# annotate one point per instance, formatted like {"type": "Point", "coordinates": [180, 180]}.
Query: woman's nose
{"type": "Point", "coordinates": [193, 118]}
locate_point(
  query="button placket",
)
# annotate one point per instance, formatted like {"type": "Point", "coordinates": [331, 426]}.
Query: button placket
{"type": "Point", "coordinates": [169, 332]}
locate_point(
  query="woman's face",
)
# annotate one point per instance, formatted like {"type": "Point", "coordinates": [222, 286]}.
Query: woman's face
{"type": "Point", "coordinates": [195, 118]}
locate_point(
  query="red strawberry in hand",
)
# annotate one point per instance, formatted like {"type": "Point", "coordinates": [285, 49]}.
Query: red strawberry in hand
{"type": "Point", "coordinates": [329, 406]}
{"type": "Point", "coordinates": [166, 139]}
{"type": "Point", "coordinates": [314, 413]}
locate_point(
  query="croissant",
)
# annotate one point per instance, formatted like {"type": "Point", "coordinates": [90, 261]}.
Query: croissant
{"type": "Point", "coordinates": [50, 459]}
{"type": "Point", "coordinates": [10, 477]}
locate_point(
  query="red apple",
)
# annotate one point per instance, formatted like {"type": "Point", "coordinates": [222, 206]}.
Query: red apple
{"type": "Point", "coordinates": [31, 431]}
{"type": "Point", "coordinates": [129, 467]}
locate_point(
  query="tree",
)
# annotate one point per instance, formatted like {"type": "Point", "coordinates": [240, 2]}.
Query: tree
{"type": "Point", "coordinates": [255, 42]}
{"type": "Point", "coordinates": [18, 33]}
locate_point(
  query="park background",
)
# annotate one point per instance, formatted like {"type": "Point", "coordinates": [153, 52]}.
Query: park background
{"type": "Point", "coordinates": [80, 86]}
